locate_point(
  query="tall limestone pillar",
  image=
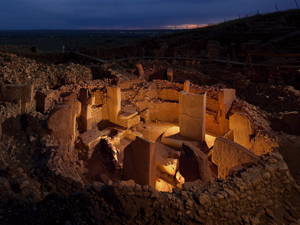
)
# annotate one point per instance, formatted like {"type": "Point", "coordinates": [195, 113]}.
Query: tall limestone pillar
{"type": "Point", "coordinates": [113, 103]}
{"type": "Point", "coordinates": [192, 112]}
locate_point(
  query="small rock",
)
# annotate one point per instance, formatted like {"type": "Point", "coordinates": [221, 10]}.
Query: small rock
{"type": "Point", "coordinates": [288, 217]}
{"type": "Point", "coordinates": [97, 186]}
{"type": "Point", "coordinates": [269, 213]}
{"type": "Point", "coordinates": [155, 194]}
{"type": "Point", "coordinates": [204, 199]}
{"type": "Point", "coordinates": [145, 187]}
{"type": "Point", "coordinates": [137, 188]}
{"type": "Point", "coordinates": [24, 184]}
{"type": "Point", "coordinates": [151, 189]}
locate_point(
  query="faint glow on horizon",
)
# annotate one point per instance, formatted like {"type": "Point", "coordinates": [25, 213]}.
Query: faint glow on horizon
{"type": "Point", "coordinates": [168, 27]}
{"type": "Point", "coordinates": [114, 28]}
{"type": "Point", "coordinates": [184, 26]}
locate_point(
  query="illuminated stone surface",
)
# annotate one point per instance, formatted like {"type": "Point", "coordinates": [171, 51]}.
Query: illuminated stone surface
{"type": "Point", "coordinates": [243, 128]}
{"type": "Point", "coordinates": [192, 115]}
{"type": "Point", "coordinates": [227, 154]}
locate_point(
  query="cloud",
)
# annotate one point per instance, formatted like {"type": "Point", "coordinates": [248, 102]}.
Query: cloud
{"type": "Point", "coordinates": [76, 14]}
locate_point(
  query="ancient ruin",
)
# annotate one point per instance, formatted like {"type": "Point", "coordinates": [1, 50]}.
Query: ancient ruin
{"type": "Point", "coordinates": [175, 147]}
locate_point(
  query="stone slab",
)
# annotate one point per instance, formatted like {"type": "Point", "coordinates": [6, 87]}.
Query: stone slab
{"type": "Point", "coordinates": [91, 136]}
{"type": "Point", "coordinates": [174, 139]}
{"type": "Point", "coordinates": [227, 154]}
{"type": "Point", "coordinates": [139, 162]}
{"type": "Point", "coordinates": [127, 115]}
{"type": "Point", "coordinates": [193, 164]}
{"type": "Point", "coordinates": [243, 128]}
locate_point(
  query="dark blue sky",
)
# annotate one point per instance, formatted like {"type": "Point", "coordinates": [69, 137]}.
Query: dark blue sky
{"type": "Point", "coordinates": [127, 14]}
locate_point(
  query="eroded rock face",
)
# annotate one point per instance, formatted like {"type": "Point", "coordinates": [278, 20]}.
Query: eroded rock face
{"type": "Point", "coordinates": [193, 164]}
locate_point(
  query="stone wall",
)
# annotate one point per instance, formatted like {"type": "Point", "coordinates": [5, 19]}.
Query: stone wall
{"type": "Point", "coordinates": [96, 115]}
{"type": "Point", "coordinates": [130, 122]}
{"type": "Point", "coordinates": [233, 200]}
{"type": "Point", "coordinates": [212, 124]}
{"type": "Point", "coordinates": [168, 95]}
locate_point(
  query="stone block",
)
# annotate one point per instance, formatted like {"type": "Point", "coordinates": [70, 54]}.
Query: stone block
{"type": "Point", "coordinates": [193, 164]}
{"type": "Point", "coordinates": [228, 154]}
{"type": "Point", "coordinates": [170, 74]}
{"type": "Point", "coordinates": [168, 165]}
{"type": "Point", "coordinates": [163, 186]}
{"type": "Point", "coordinates": [226, 98]}
{"type": "Point", "coordinates": [243, 128]}
{"type": "Point", "coordinates": [186, 86]}
{"type": "Point", "coordinates": [59, 123]}
{"type": "Point", "coordinates": [90, 137]}
{"type": "Point", "coordinates": [139, 162]}
{"type": "Point", "coordinates": [192, 114]}
{"type": "Point", "coordinates": [44, 100]}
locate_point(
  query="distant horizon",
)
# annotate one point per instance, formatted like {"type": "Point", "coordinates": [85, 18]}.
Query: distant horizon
{"type": "Point", "coordinates": [180, 27]}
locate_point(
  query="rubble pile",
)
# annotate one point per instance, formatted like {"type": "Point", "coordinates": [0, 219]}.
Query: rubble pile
{"type": "Point", "coordinates": [14, 69]}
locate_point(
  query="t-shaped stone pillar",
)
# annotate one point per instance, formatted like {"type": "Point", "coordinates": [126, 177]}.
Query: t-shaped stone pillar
{"type": "Point", "coordinates": [87, 101]}
{"type": "Point", "coordinates": [192, 112]}
{"type": "Point", "coordinates": [14, 92]}
{"type": "Point", "coordinates": [113, 103]}
{"type": "Point", "coordinates": [76, 110]}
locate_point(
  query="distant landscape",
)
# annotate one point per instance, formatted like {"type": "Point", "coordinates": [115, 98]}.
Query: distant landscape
{"type": "Point", "coordinates": [53, 40]}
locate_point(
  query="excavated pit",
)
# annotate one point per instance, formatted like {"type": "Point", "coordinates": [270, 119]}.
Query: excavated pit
{"type": "Point", "coordinates": [64, 141]}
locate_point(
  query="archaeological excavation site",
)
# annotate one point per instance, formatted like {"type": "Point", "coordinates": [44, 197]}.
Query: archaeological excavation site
{"type": "Point", "coordinates": [196, 127]}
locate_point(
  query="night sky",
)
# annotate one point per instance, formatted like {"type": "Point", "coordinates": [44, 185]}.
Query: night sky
{"type": "Point", "coordinates": [128, 14]}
